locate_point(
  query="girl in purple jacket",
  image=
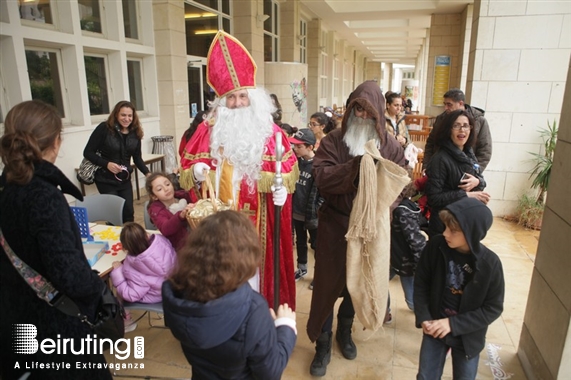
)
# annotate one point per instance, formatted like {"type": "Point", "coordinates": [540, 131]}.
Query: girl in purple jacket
{"type": "Point", "coordinates": [150, 259]}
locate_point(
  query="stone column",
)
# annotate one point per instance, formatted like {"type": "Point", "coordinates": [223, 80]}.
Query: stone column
{"type": "Point", "coordinates": [545, 342]}
{"type": "Point", "coordinates": [387, 77]}
{"type": "Point", "coordinates": [172, 76]}
{"type": "Point", "coordinates": [446, 39]}
{"type": "Point", "coordinates": [250, 32]}
{"type": "Point", "coordinates": [289, 31]}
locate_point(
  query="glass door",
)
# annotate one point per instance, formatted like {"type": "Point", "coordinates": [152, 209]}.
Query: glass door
{"type": "Point", "coordinates": [199, 92]}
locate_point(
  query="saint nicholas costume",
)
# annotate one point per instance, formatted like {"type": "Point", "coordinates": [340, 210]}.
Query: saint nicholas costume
{"type": "Point", "coordinates": [230, 68]}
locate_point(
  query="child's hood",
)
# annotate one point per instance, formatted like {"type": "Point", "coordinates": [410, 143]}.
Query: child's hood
{"type": "Point", "coordinates": [206, 325]}
{"type": "Point", "coordinates": [475, 219]}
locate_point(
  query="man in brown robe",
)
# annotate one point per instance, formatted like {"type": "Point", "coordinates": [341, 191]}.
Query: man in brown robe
{"type": "Point", "coordinates": [336, 173]}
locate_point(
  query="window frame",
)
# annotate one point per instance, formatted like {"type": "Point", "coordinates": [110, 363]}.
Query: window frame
{"type": "Point", "coordinates": [137, 18]}
{"type": "Point", "coordinates": [63, 86]}
{"type": "Point", "coordinates": [54, 13]}
{"type": "Point", "coordinates": [302, 41]}
{"type": "Point", "coordinates": [101, 21]}
{"type": "Point", "coordinates": [274, 31]}
{"type": "Point", "coordinates": [95, 118]}
{"type": "Point", "coordinates": [141, 111]}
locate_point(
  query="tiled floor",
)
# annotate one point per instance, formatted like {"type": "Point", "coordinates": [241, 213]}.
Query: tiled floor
{"type": "Point", "coordinates": [391, 353]}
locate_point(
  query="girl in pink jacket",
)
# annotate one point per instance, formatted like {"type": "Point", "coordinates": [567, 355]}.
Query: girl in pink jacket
{"type": "Point", "coordinates": [149, 261]}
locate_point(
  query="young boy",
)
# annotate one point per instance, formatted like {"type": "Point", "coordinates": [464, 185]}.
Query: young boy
{"type": "Point", "coordinates": [305, 198]}
{"type": "Point", "coordinates": [458, 291]}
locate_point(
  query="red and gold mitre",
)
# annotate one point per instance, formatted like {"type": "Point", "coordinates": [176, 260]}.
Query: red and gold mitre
{"type": "Point", "coordinates": [229, 65]}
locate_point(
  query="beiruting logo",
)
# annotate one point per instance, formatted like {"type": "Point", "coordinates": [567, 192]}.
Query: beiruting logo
{"type": "Point", "coordinates": [25, 342]}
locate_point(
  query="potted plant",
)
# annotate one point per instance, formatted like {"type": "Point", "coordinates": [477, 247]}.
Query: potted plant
{"type": "Point", "coordinates": [530, 207]}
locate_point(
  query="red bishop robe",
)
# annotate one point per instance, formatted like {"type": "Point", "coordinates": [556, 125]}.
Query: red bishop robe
{"type": "Point", "coordinates": [258, 206]}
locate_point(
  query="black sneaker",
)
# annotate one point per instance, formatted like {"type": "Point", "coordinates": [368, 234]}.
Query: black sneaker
{"type": "Point", "coordinates": [311, 285]}
{"type": "Point", "coordinates": [299, 274]}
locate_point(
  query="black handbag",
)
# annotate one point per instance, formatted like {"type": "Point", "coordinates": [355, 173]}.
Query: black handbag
{"type": "Point", "coordinates": [109, 319]}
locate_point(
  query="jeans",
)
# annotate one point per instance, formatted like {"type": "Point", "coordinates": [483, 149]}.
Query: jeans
{"type": "Point", "coordinates": [301, 241]}
{"type": "Point", "coordinates": [433, 355]}
{"type": "Point", "coordinates": [407, 284]}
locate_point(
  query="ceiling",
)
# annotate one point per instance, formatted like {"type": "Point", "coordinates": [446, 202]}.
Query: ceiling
{"type": "Point", "coordinates": [389, 31]}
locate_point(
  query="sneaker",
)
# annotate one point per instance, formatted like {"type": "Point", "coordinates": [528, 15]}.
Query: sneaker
{"type": "Point", "coordinates": [311, 285]}
{"type": "Point", "coordinates": [388, 319]}
{"type": "Point", "coordinates": [130, 325]}
{"type": "Point", "coordinates": [299, 274]}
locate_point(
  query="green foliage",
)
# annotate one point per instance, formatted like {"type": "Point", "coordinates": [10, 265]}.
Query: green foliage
{"type": "Point", "coordinates": [529, 212]}
{"type": "Point", "coordinates": [544, 162]}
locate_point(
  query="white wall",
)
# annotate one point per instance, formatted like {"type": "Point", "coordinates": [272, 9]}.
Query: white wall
{"type": "Point", "coordinates": [519, 58]}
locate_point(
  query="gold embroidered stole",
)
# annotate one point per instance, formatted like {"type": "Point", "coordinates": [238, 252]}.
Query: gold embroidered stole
{"type": "Point", "coordinates": [226, 190]}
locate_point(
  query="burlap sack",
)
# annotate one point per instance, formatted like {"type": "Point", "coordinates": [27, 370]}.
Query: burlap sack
{"type": "Point", "coordinates": [368, 236]}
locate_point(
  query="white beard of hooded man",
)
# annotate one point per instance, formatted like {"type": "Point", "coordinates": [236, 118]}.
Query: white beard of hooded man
{"type": "Point", "coordinates": [239, 135]}
{"type": "Point", "coordinates": [359, 131]}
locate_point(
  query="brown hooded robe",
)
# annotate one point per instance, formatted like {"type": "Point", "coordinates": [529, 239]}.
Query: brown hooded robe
{"type": "Point", "coordinates": [336, 175]}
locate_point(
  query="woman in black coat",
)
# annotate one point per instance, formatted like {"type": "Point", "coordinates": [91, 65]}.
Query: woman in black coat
{"type": "Point", "coordinates": [453, 171]}
{"type": "Point", "coordinates": [39, 226]}
{"type": "Point", "coordinates": [111, 146]}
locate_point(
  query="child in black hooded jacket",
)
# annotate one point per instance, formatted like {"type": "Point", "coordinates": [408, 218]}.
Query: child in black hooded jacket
{"type": "Point", "coordinates": [458, 291]}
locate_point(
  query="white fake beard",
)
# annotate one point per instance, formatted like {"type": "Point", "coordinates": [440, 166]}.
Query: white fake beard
{"type": "Point", "coordinates": [359, 131]}
{"type": "Point", "coordinates": [239, 136]}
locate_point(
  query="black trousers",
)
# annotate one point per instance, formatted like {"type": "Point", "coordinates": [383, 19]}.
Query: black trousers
{"type": "Point", "coordinates": [124, 190]}
{"type": "Point", "coordinates": [346, 310]}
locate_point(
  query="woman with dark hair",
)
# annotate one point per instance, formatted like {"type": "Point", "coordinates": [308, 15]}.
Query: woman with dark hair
{"type": "Point", "coordinates": [111, 146]}
{"type": "Point", "coordinates": [396, 125]}
{"type": "Point", "coordinates": [41, 230]}
{"type": "Point", "coordinates": [277, 115]}
{"type": "Point", "coordinates": [198, 118]}
{"type": "Point", "coordinates": [320, 124]}
{"type": "Point", "coordinates": [224, 326]}
{"type": "Point", "coordinates": [453, 171]}
{"type": "Point", "coordinates": [290, 130]}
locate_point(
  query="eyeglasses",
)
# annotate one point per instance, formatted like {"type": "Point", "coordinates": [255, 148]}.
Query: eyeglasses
{"type": "Point", "coordinates": [313, 124]}
{"type": "Point", "coordinates": [458, 126]}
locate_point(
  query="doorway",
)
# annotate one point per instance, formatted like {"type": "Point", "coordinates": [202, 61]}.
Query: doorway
{"type": "Point", "coordinates": [199, 92]}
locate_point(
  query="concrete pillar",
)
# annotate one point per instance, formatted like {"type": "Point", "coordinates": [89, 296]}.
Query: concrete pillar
{"type": "Point", "coordinates": [250, 32]}
{"type": "Point", "coordinates": [545, 342]}
{"type": "Point", "coordinates": [466, 29]}
{"type": "Point", "coordinates": [289, 31]}
{"type": "Point", "coordinates": [519, 73]}
{"type": "Point", "coordinates": [172, 76]}
{"type": "Point", "coordinates": [446, 39]}
{"type": "Point", "coordinates": [374, 72]}
{"type": "Point", "coordinates": [314, 58]}
{"type": "Point", "coordinates": [387, 77]}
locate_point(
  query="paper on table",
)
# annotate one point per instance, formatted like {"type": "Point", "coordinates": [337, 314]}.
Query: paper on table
{"type": "Point", "coordinates": [94, 250]}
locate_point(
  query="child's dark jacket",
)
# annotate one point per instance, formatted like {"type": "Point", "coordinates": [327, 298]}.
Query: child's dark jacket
{"type": "Point", "coordinates": [407, 240]}
{"type": "Point", "coordinates": [483, 296]}
{"type": "Point", "coordinates": [232, 337]}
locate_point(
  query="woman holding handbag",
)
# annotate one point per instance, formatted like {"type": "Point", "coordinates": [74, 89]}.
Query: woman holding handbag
{"type": "Point", "coordinates": [38, 225]}
{"type": "Point", "coordinates": [111, 146]}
